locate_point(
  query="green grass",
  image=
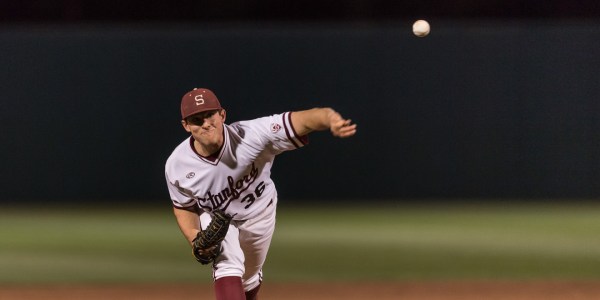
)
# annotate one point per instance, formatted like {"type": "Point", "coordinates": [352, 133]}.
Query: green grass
{"type": "Point", "coordinates": [94, 245]}
{"type": "Point", "coordinates": [439, 242]}
{"type": "Point", "coordinates": [316, 243]}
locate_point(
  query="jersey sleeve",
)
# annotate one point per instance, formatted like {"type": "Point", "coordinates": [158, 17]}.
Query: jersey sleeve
{"type": "Point", "coordinates": [276, 131]}
{"type": "Point", "coordinates": [179, 196]}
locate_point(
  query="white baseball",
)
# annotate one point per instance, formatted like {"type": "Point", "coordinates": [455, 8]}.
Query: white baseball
{"type": "Point", "coordinates": [421, 28]}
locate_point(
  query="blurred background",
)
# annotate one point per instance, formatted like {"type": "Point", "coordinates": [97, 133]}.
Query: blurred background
{"type": "Point", "coordinates": [499, 101]}
{"type": "Point", "coordinates": [499, 104]}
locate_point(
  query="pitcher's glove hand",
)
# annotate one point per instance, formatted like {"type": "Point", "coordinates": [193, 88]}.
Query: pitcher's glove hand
{"type": "Point", "coordinates": [207, 244]}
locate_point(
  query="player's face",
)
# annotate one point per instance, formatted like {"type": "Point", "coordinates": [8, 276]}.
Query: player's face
{"type": "Point", "coordinates": [206, 128]}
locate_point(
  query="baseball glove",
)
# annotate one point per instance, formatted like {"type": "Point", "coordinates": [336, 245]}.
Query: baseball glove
{"type": "Point", "coordinates": [207, 244]}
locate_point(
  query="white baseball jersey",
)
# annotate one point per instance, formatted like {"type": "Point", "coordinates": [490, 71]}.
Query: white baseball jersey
{"type": "Point", "coordinates": [238, 178]}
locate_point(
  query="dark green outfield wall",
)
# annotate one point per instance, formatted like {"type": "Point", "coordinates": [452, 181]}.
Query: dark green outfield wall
{"type": "Point", "coordinates": [477, 109]}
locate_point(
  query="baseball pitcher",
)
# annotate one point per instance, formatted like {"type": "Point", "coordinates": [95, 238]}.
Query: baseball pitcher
{"type": "Point", "coordinates": [219, 181]}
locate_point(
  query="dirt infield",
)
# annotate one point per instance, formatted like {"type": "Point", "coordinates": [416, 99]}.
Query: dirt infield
{"type": "Point", "coordinates": [321, 291]}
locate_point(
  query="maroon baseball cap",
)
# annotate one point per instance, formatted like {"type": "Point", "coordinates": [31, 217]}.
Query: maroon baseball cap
{"type": "Point", "coordinates": [198, 100]}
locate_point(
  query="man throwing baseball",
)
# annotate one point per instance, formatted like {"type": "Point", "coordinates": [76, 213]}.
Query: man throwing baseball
{"type": "Point", "coordinates": [224, 199]}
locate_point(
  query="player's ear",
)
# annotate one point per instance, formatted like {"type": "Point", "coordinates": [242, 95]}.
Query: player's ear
{"type": "Point", "coordinates": [185, 125]}
{"type": "Point", "coordinates": [223, 114]}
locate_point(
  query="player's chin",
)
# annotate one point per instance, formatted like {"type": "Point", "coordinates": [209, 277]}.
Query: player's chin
{"type": "Point", "coordinates": [210, 137]}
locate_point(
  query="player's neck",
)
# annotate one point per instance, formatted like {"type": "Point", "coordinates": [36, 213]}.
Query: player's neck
{"type": "Point", "coordinates": [206, 150]}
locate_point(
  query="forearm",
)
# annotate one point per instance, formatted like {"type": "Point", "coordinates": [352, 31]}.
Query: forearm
{"type": "Point", "coordinates": [189, 223]}
{"type": "Point", "coordinates": [319, 119]}
{"type": "Point", "coordinates": [316, 119]}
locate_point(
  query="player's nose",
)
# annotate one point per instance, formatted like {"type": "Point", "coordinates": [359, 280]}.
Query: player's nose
{"type": "Point", "coordinates": [206, 125]}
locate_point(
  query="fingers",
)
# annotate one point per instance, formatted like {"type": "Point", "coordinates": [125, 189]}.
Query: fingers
{"type": "Point", "coordinates": [343, 128]}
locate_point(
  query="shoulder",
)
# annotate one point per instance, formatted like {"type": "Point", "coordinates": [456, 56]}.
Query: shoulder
{"type": "Point", "coordinates": [271, 123]}
{"type": "Point", "coordinates": [274, 129]}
